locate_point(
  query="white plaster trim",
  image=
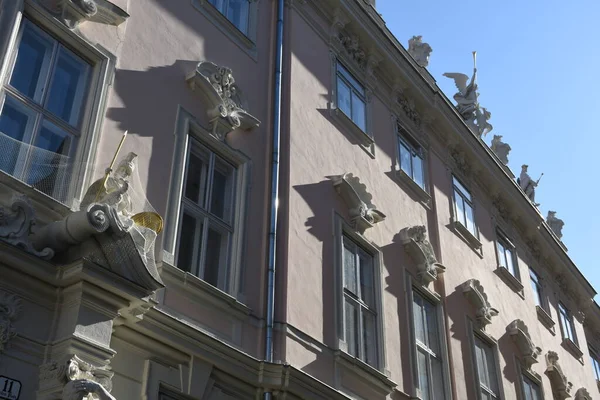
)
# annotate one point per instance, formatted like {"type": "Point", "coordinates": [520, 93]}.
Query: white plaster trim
{"type": "Point", "coordinates": [519, 332]}
{"type": "Point", "coordinates": [476, 295]}
{"type": "Point", "coordinates": [421, 251]}
{"type": "Point", "coordinates": [363, 213]}
{"type": "Point", "coordinates": [561, 387]}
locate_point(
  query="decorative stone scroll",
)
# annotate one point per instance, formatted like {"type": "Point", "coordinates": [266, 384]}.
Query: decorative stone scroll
{"type": "Point", "coordinates": [561, 387]}
{"type": "Point", "coordinates": [474, 292]}
{"type": "Point", "coordinates": [520, 335]}
{"type": "Point", "coordinates": [363, 213]}
{"type": "Point", "coordinates": [74, 12]}
{"type": "Point", "coordinates": [226, 104]}
{"type": "Point", "coordinates": [418, 247]}
{"type": "Point", "coordinates": [16, 223]}
{"type": "Point", "coordinates": [76, 379]}
{"type": "Point", "coordinates": [10, 311]}
{"type": "Point", "coordinates": [582, 394]}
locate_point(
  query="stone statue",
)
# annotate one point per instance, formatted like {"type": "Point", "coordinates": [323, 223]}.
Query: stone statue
{"type": "Point", "coordinates": [556, 224]}
{"type": "Point", "coordinates": [482, 127]}
{"type": "Point", "coordinates": [466, 98]}
{"type": "Point", "coordinates": [500, 148]}
{"type": "Point", "coordinates": [420, 249]}
{"type": "Point", "coordinates": [81, 388]}
{"type": "Point", "coordinates": [527, 184]}
{"type": "Point", "coordinates": [419, 51]}
{"type": "Point", "coordinates": [115, 192]}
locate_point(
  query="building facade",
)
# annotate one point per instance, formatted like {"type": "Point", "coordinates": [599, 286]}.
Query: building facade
{"type": "Point", "coordinates": [405, 261]}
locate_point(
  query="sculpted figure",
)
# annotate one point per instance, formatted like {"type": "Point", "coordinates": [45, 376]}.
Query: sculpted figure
{"type": "Point", "coordinates": [483, 127]}
{"type": "Point", "coordinates": [114, 192]}
{"type": "Point", "coordinates": [500, 148]}
{"type": "Point", "coordinates": [419, 51]}
{"type": "Point", "coordinates": [81, 389]}
{"type": "Point", "coordinates": [556, 224]}
{"type": "Point", "coordinates": [466, 98]}
{"type": "Point", "coordinates": [527, 184]}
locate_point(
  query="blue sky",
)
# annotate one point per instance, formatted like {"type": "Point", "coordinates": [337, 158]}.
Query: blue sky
{"type": "Point", "coordinates": [538, 66]}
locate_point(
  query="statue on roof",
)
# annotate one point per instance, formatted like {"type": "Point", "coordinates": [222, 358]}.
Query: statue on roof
{"type": "Point", "coordinates": [467, 102]}
{"type": "Point", "coordinates": [556, 224]}
{"type": "Point", "coordinates": [527, 184]}
{"type": "Point", "coordinates": [419, 51]}
{"type": "Point", "coordinates": [500, 148]}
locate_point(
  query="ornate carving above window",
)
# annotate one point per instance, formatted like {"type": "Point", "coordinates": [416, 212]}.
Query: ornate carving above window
{"type": "Point", "coordinates": [10, 311]}
{"type": "Point", "coordinates": [473, 290]}
{"type": "Point", "coordinates": [226, 104]}
{"type": "Point", "coordinates": [74, 12]}
{"type": "Point", "coordinates": [520, 335]}
{"type": "Point", "coordinates": [407, 105]}
{"type": "Point", "coordinates": [363, 213]}
{"type": "Point", "coordinates": [418, 247]}
{"type": "Point", "coordinates": [561, 387]}
{"type": "Point", "coordinates": [582, 394]}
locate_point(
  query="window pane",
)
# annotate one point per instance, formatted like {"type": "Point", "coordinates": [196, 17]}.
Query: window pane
{"type": "Point", "coordinates": [423, 374]}
{"type": "Point", "coordinates": [351, 81]}
{"type": "Point", "coordinates": [197, 170]}
{"type": "Point", "coordinates": [343, 97]}
{"type": "Point", "coordinates": [437, 379]}
{"type": "Point", "coordinates": [510, 264]}
{"type": "Point", "coordinates": [187, 243]}
{"type": "Point", "coordinates": [351, 328]}
{"type": "Point", "coordinates": [237, 13]}
{"type": "Point", "coordinates": [480, 358]}
{"type": "Point", "coordinates": [418, 176]}
{"type": "Point", "coordinates": [491, 369]}
{"type": "Point", "coordinates": [462, 189]}
{"type": "Point", "coordinates": [358, 112]}
{"type": "Point", "coordinates": [367, 288]}
{"type": "Point", "coordinates": [33, 62]}
{"type": "Point", "coordinates": [16, 124]}
{"type": "Point", "coordinates": [470, 219]}
{"type": "Point", "coordinates": [49, 160]}
{"type": "Point", "coordinates": [216, 251]}
{"type": "Point", "coordinates": [537, 296]}
{"type": "Point", "coordinates": [460, 209]}
{"type": "Point", "coordinates": [369, 338]}
{"type": "Point", "coordinates": [419, 318]}
{"type": "Point", "coordinates": [350, 268]}
{"type": "Point", "coordinates": [501, 255]}
{"type": "Point", "coordinates": [432, 327]}
{"type": "Point", "coordinates": [405, 159]}
{"type": "Point", "coordinates": [69, 84]}
{"type": "Point", "coordinates": [220, 202]}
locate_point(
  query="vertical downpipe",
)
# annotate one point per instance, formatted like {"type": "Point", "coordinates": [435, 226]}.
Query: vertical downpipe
{"type": "Point", "coordinates": [274, 187]}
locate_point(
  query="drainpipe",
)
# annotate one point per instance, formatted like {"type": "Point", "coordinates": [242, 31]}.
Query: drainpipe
{"type": "Point", "coordinates": [274, 187]}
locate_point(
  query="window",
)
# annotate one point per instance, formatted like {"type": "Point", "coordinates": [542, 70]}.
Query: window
{"type": "Point", "coordinates": [41, 111]}
{"type": "Point", "coordinates": [531, 390]}
{"type": "Point", "coordinates": [206, 223]}
{"type": "Point", "coordinates": [351, 97]}
{"type": "Point", "coordinates": [236, 11]}
{"type": "Point", "coordinates": [411, 159]}
{"type": "Point", "coordinates": [360, 310]}
{"type": "Point", "coordinates": [506, 255]}
{"type": "Point", "coordinates": [463, 207]}
{"type": "Point", "coordinates": [486, 370]}
{"type": "Point", "coordinates": [536, 286]}
{"type": "Point", "coordinates": [566, 323]}
{"type": "Point", "coordinates": [595, 363]}
{"type": "Point", "coordinates": [428, 349]}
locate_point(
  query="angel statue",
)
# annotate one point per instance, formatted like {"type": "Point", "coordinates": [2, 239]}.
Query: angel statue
{"type": "Point", "coordinates": [466, 98]}
{"type": "Point", "coordinates": [483, 127]}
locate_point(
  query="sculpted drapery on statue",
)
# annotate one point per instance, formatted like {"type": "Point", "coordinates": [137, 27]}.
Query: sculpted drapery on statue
{"type": "Point", "coordinates": [500, 148]}
{"type": "Point", "coordinates": [556, 224]}
{"type": "Point", "coordinates": [527, 184]}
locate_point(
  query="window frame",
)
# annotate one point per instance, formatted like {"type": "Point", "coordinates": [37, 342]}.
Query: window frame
{"type": "Point", "coordinates": [343, 229]}
{"type": "Point", "coordinates": [565, 316]}
{"type": "Point", "coordinates": [456, 189]}
{"type": "Point", "coordinates": [101, 73]}
{"type": "Point", "coordinates": [188, 129]}
{"type": "Point", "coordinates": [355, 88]}
{"type": "Point", "coordinates": [528, 376]}
{"type": "Point", "coordinates": [493, 346]}
{"type": "Point", "coordinates": [403, 137]}
{"type": "Point", "coordinates": [595, 362]}
{"type": "Point", "coordinates": [433, 299]}
{"type": "Point", "coordinates": [503, 241]}
{"type": "Point", "coordinates": [225, 13]}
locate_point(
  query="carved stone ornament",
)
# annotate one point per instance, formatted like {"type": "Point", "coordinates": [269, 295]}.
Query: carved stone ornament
{"type": "Point", "coordinates": [555, 224]}
{"type": "Point", "coordinates": [474, 292]}
{"type": "Point", "coordinates": [74, 12]}
{"type": "Point", "coordinates": [407, 104]}
{"type": "Point", "coordinates": [582, 394]}
{"type": "Point", "coordinates": [460, 160]}
{"type": "Point", "coordinates": [16, 223]}
{"type": "Point", "coordinates": [226, 104]}
{"type": "Point", "coordinates": [76, 379]}
{"type": "Point", "coordinates": [10, 311]}
{"type": "Point", "coordinates": [419, 51]}
{"type": "Point", "coordinates": [561, 387]}
{"type": "Point", "coordinates": [338, 22]}
{"type": "Point", "coordinates": [418, 247]}
{"type": "Point", "coordinates": [519, 333]}
{"type": "Point", "coordinates": [500, 148]}
{"type": "Point", "coordinates": [363, 213]}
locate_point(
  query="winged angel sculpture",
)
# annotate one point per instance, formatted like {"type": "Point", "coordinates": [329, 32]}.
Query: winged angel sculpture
{"type": "Point", "coordinates": [467, 102]}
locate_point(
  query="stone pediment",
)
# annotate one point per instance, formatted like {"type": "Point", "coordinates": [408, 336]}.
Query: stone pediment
{"type": "Point", "coordinates": [475, 293]}
{"type": "Point", "coordinates": [561, 387]}
{"type": "Point", "coordinates": [227, 109]}
{"type": "Point", "coordinates": [519, 333]}
{"type": "Point", "coordinates": [421, 251]}
{"type": "Point", "coordinates": [363, 213]}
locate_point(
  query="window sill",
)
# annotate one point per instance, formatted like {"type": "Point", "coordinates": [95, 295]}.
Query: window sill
{"type": "Point", "coordinates": [365, 371]}
{"type": "Point", "coordinates": [365, 141]}
{"type": "Point", "coordinates": [202, 292]}
{"type": "Point", "coordinates": [510, 280]}
{"type": "Point", "coordinates": [227, 27]}
{"type": "Point", "coordinates": [406, 181]}
{"type": "Point", "coordinates": [573, 348]}
{"type": "Point", "coordinates": [545, 319]}
{"type": "Point", "coordinates": [468, 237]}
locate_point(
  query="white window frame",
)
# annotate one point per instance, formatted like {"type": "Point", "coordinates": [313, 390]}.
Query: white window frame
{"type": "Point", "coordinates": [246, 41]}
{"type": "Point", "coordinates": [343, 229]}
{"type": "Point", "coordinates": [187, 128]}
{"type": "Point", "coordinates": [434, 299]}
{"type": "Point", "coordinates": [566, 317]}
{"type": "Point", "coordinates": [465, 200]}
{"type": "Point", "coordinates": [508, 246]}
{"type": "Point", "coordinates": [101, 75]}
{"type": "Point", "coordinates": [539, 290]}
{"type": "Point", "coordinates": [489, 341]}
{"type": "Point", "coordinates": [416, 149]}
